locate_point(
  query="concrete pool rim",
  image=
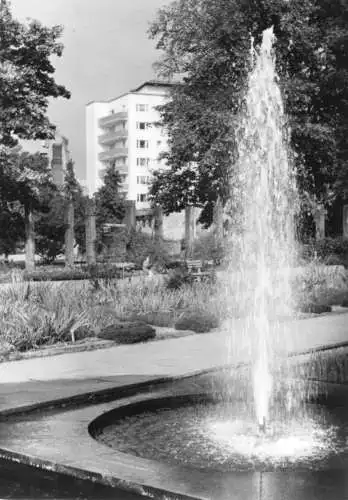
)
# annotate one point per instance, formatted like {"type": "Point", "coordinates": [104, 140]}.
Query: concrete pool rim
{"type": "Point", "coordinates": [129, 393]}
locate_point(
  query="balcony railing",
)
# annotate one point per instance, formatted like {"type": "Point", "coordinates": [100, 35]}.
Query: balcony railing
{"type": "Point", "coordinates": [113, 153]}
{"type": "Point", "coordinates": [111, 137]}
{"type": "Point", "coordinates": [113, 118]}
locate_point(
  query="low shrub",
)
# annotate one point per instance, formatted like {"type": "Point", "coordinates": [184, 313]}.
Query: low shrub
{"type": "Point", "coordinates": [128, 332]}
{"type": "Point", "coordinates": [156, 318]}
{"type": "Point", "coordinates": [315, 308]}
{"type": "Point", "coordinates": [178, 278]}
{"type": "Point", "coordinates": [142, 245]}
{"type": "Point", "coordinates": [198, 322]}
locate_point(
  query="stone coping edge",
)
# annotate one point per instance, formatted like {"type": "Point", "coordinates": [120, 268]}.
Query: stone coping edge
{"type": "Point", "coordinates": [95, 477]}
{"type": "Point", "coordinates": [107, 394]}
{"type": "Point", "coordinates": [127, 390]}
{"type": "Point", "coordinates": [93, 397]}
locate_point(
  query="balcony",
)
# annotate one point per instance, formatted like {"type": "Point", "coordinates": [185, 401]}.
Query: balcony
{"type": "Point", "coordinates": [112, 119]}
{"type": "Point", "coordinates": [113, 153]}
{"type": "Point", "coordinates": [111, 137]}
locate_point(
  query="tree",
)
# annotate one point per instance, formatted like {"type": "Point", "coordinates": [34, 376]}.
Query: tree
{"type": "Point", "coordinates": [109, 201]}
{"type": "Point", "coordinates": [23, 178]}
{"type": "Point", "coordinates": [206, 46]}
{"type": "Point", "coordinates": [26, 85]}
{"type": "Point", "coordinates": [72, 192]}
{"type": "Point", "coordinates": [80, 211]}
{"type": "Point", "coordinates": [26, 81]}
{"type": "Point", "coordinates": [62, 210]}
{"type": "Point", "coordinates": [12, 229]}
{"type": "Point", "coordinates": [50, 224]}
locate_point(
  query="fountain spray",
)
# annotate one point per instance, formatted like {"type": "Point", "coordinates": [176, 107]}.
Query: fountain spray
{"type": "Point", "coordinates": [266, 191]}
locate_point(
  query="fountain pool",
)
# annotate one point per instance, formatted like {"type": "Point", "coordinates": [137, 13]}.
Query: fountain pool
{"type": "Point", "coordinates": [209, 432]}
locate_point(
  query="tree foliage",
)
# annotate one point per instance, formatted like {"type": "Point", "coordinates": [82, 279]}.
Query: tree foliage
{"type": "Point", "coordinates": [50, 224]}
{"type": "Point", "coordinates": [23, 179]}
{"type": "Point", "coordinates": [108, 199]}
{"type": "Point", "coordinates": [51, 221]}
{"type": "Point", "coordinates": [12, 229]}
{"type": "Point", "coordinates": [26, 77]}
{"type": "Point", "coordinates": [206, 45]}
{"type": "Point", "coordinates": [109, 205]}
{"type": "Point", "coordinates": [23, 176]}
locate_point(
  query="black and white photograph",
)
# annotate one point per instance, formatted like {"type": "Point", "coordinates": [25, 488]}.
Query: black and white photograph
{"type": "Point", "coordinates": [174, 249]}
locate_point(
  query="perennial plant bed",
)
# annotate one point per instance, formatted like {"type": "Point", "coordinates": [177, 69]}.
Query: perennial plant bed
{"type": "Point", "coordinates": [39, 316]}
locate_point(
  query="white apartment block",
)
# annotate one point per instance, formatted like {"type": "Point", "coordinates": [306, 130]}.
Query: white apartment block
{"type": "Point", "coordinates": [122, 132]}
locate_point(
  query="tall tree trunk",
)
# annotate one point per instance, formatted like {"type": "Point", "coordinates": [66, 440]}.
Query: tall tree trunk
{"type": "Point", "coordinates": [130, 215]}
{"type": "Point", "coordinates": [158, 223]}
{"type": "Point", "coordinates": [189, 230]}
{"type": "Point", "coordinates": [218, 221]}
{"type": "Point", "coordinates": [90, 233]}
{"type": "Point", "coordinates": [345, 222]}
{"type": "Point", "coordinates": [29, 240]}
{"type": "Point", "coordinates": [320, 219]}
{"type": "Point", "coordinates": [69, 235]}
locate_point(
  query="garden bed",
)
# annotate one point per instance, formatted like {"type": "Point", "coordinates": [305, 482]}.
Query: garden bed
{"type": "Point", "coordinates": [41, 315]}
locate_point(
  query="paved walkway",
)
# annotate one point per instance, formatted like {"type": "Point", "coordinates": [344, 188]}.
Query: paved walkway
{"type": "Point", "coordinates": [175, 356]}
{"type": "Point", "coordinates": [63, 440]}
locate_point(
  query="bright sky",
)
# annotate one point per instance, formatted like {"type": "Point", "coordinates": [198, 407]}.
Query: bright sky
{"type": "Point", "coordinates": [107, 52]}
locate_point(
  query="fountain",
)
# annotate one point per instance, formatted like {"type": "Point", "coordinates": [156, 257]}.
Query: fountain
{"type": "Point", "coordinates": [260, 418]}
{"type": "Point", "coordinates": [266, 203]}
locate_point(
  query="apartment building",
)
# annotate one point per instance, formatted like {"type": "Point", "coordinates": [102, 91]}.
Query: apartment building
{"type": "Point", "coordinates": [122, 132]}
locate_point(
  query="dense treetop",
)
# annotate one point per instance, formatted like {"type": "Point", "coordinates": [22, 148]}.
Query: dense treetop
{"type": "Point", "coordinates": [206, 44]}
{"type": "Point", "coordinates": [26, 77]}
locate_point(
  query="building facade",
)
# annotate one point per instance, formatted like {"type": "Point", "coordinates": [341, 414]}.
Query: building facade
{"type": "Point", "coordinates": [123, 132]}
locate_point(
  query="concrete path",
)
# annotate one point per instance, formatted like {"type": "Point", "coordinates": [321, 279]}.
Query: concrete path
{"type": "Point", "coordinates": [174, 357]}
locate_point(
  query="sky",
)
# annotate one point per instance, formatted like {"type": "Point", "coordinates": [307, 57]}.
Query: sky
{"type": "Point", "coordinates": [107, 52]}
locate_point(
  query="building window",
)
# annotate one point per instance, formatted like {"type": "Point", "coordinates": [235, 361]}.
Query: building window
{"type": "Point", "coordinates": [142, 107]}
{"type": "Point", "coordinates": [143, 179]}
{"type": "Point", "coordinates": [143, 162]}
{"type": "Point", "coordinates": [142, 144]}
{"type": "Point", "coordinates": [142, 197]}
{"type": "Point", "coordinates": [143, 125]}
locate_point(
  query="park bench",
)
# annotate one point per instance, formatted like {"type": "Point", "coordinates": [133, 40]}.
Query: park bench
{"type": "Point", "coordinates": [199, 270]}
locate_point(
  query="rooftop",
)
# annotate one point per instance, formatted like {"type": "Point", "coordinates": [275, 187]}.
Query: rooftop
{"type": "Point", "coordinates": [153, 83]}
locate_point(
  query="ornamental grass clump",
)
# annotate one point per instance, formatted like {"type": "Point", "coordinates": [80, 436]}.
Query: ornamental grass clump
{"type": "Point", "coordinates": [35, 315]}
{"type": "Point", "coordinates": [320, 285]}
{"type": "Point", "coordinates": [151, 301]}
